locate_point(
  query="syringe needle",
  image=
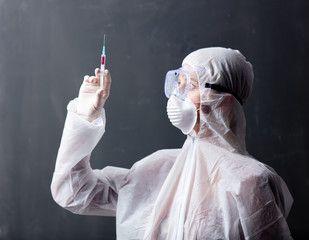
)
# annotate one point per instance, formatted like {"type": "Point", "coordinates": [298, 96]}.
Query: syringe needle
{"type": "Point", "coordinates": [103, 61]}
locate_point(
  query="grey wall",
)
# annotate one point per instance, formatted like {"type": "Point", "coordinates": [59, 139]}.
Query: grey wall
{"type": "Point", "coordinates": [47, 46]}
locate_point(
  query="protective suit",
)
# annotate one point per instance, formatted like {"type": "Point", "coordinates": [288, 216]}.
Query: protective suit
{"type": "Point", "coordinates": [209, 189]}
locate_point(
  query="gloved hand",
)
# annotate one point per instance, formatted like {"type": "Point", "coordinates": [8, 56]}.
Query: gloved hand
{"type": "Point", "coordinates": [92, 98]}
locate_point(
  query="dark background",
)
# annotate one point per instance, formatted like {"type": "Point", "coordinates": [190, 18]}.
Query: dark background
{"type": "Point", "coordinates": [47, 46]}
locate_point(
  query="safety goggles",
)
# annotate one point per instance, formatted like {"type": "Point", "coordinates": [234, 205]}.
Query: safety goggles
{"type": "Point", "coordinates": [181, 81]}
{"type": "Point", "coordinates": [185, 80]}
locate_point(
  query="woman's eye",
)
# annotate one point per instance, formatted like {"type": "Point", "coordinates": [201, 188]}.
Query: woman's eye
{"type": "Point", "coordinates": [192, 86]}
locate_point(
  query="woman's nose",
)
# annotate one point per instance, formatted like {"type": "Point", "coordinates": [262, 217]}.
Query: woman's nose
{"type": "Point", "coordinates": [182, 84]}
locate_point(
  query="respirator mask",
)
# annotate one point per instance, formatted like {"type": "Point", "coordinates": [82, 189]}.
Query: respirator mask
{"type": "Point", "coordinates": [182, 89]}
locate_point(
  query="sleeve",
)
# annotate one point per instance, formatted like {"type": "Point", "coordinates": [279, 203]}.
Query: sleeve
{"type": "Point", "coordinates": [75, 185]}
{"type": "Point", "coordinates": [261, 214]}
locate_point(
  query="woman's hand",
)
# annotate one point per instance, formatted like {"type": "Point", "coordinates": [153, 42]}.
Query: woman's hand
{"type": "Point", "coordinates": [92, 98]}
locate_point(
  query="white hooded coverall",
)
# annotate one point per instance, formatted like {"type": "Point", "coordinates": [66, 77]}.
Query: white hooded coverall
{"type": "Point", "coordinates": [209, 189]}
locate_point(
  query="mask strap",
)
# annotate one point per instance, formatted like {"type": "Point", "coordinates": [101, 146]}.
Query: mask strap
{"type": "Point", "coordinates": [222, 89]}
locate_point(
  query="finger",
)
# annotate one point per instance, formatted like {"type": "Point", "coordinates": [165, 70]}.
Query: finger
{"type": "Point", "coordinates": [107, 82]}
{"type": "Point", "coordinates": [97, 73]}
{"type": "Point", "coordinates": [86, 78]}
{"type": "Point", "coordinates": [93, 79]}
{"type": "Point", "coordinates": [99, 101]}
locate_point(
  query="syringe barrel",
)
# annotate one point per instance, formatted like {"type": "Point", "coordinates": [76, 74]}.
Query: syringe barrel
{"type": "Point", "coordinates": [103, 58]}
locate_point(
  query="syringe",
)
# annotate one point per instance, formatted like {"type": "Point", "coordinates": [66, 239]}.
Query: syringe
{"type": "Point", "coordinates": [103, 61]}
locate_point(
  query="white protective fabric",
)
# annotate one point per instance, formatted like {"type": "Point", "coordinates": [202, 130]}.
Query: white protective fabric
{"type": "Point", "coordinates": [209, 189]}
{"type": "Point", "coordinates": [182, 113]}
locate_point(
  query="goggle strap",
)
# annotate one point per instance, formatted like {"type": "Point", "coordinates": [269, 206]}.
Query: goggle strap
{"type": "Point", "coordinates": [222, 89]}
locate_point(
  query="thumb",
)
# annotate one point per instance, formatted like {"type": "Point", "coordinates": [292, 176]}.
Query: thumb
{"type": "Point", "coordinates": [98, 101]}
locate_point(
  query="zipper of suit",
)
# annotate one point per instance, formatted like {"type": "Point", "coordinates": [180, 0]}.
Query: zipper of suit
{"type": "Point", "coordinates": [178, 232]}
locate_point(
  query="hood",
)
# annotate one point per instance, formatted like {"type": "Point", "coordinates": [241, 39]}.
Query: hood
{"type": "Point", "coordinates": [222, 120]}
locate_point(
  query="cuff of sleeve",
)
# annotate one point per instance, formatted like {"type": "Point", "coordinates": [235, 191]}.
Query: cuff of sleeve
{"type": "Point", "coordinates": [79, 138]}
{"type": "Point", "coordinates": [99, 122]}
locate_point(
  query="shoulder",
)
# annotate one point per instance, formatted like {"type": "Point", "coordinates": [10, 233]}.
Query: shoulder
{"type": "Point", "coordinates": [246, 173]}
{"type": "Point", "coordinates": [256, 181]}
{"type": "Point", "coordinates": [259, 191]}
{"type": "Point", "coordinates": [146, 176]}
{"type": "Point", "coordinates": [161, 159]}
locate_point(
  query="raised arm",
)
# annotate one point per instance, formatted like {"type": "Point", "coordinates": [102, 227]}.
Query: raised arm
{"type": "Point", "coordinates": [75, 186]}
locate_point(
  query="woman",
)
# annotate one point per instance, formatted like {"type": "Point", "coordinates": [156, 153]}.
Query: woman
{"type": "Point", "coordinates": [209, 189]}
